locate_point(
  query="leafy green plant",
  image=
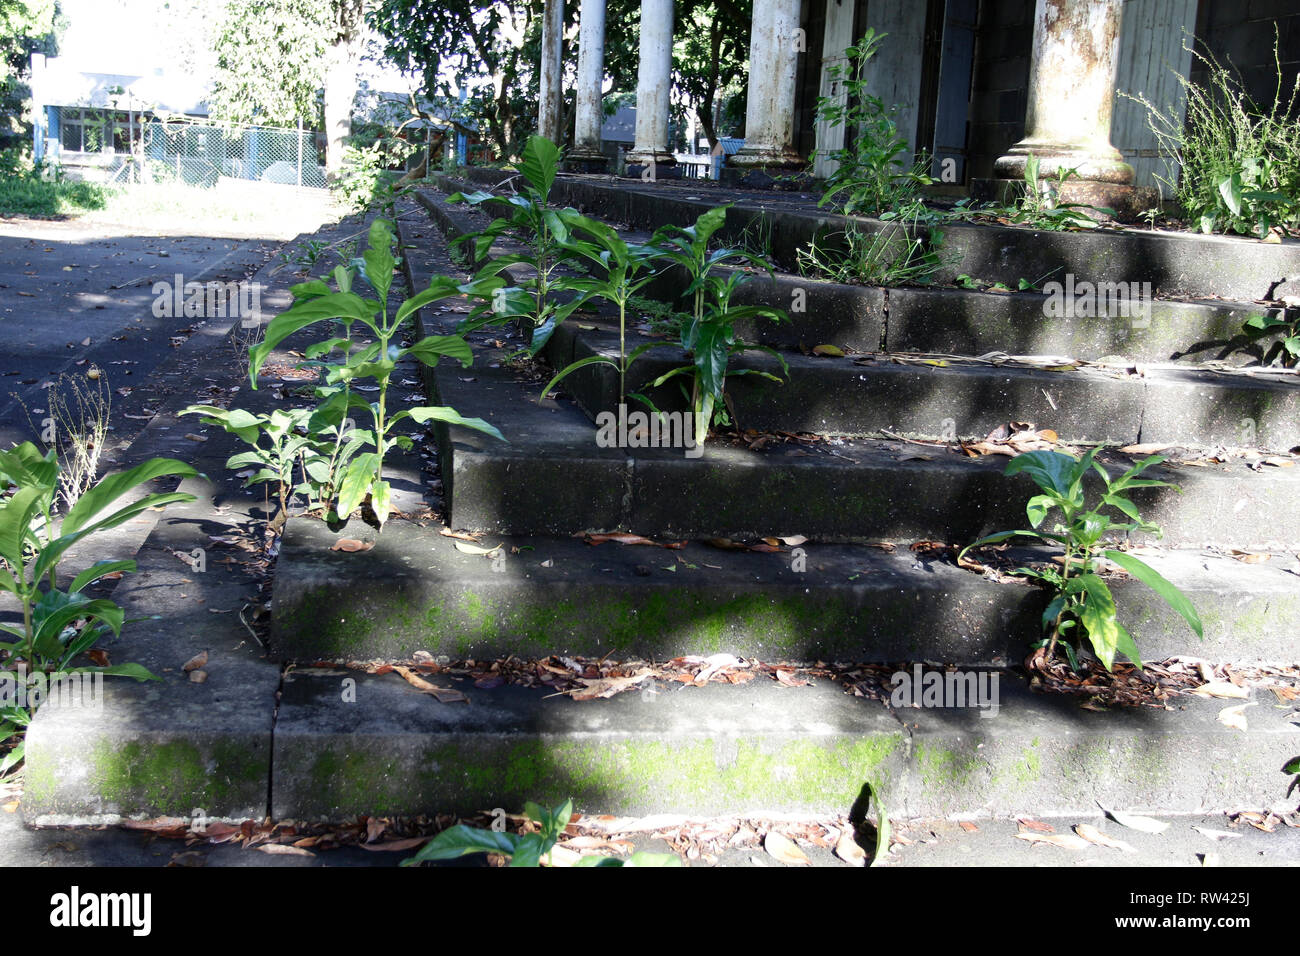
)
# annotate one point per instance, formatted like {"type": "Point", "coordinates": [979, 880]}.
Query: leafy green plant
{"type": "Point", "coordinates": [1234, 164]}
{"type": "Point", "coordinates": [543, 231]}
{"type": "Point", "coordinates": [621, 271]}
{"type": "Point", "coordinates": [871, 177]}
{"type": "Point", "coordinates": [61, 623]}
{"type": "Point", "coordinates": [1082, 603]}
{"type": "Point", "coordinates": [306, 255]}
{"type": "Point", "coordinates": [710, 335]}
{"type": "Point", "coordinates": [1291, 766]}
{"type": "Point", "coordinates": [1284, 329]}
{"type": "Point", "coordinates": [315, 303]}
{"type": "Point", "coordinates": [526, 849]}
{"type": "Point", "coordinates": [892, 256]}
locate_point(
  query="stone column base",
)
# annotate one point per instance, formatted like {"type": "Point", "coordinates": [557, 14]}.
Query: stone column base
{"type": "Point", "coordinates": [1128, 202]}
{"type": "Point", "coordinates": [785, 178]}
{"type": "Point", "coordinates": [585, 162]}
{"type": "Point", "coordinates": [651, 166]}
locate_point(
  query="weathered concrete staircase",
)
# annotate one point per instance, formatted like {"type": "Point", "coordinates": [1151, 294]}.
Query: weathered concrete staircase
{"type": "Point", "coordinates": [730, 748]}
{"type": "Point", "coordinates": [918, 365]}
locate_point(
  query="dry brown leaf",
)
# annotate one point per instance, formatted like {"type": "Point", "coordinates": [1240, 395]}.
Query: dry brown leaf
{"type": "Point", "coordinates": [967, 826]}
{"type": "Point", "coordinates": [462, 535]}
{"type": "Point", "coordinates": [194, 663]}
{"type": "Point", "coordinates": [1235, 717]}
{"type": "Point", "coordinates": [198, 676]}
{"type": "Point", "coordinates": [832, 351]}
{"type": "Point", "coordinates": [1093, 835]}
{"type": "Point", "coordinates": [393, 846]}
{"type": "Point", "coordinates": [1222, 688]}
{"type": "Point", "coordinates": [848, 850]}
{"type": "Point", "coordinates": [784, 849]}
{"type": "Point", "coordinates": [788, 678]}
{"type": "Point", "coordinates": [608, 686]}
{"type": "Point", "coordinates": [444, 695]}
{"type": "Point", "coordinates": [621, 538]}
{"type": "Point", "coordinates": [284, 849]}
{"type": "Point", "coordinates": [1148, 449]}
{"type": "Point", "coordinates": [465, 548]}
{"type": "Point", "coordinates": [351, 545]}
{"type": "Point", "coordinates": [1064, 841]}
{"type": "Point", "coordinates": [1035, 825]}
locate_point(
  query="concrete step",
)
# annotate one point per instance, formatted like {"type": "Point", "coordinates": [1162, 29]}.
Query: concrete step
{"type": "Point", "coordinates": [554, 479]}
{"type": "Point", "coordinates": [1176, 264]}
{"type": "Point", "coordinates": [863, 394]}
{"type": "Point", "coordinates": [760, 747]}
{"type": "Point", "coordinates": [954, 320]}
{"type": "Point", "coordinates": [547, 595]}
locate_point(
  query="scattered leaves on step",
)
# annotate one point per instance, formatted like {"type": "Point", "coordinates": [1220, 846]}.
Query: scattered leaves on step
{"type": "Point", "coordinates": [1134, 821]}
{"type": "Point", "coordinates": [194, 663]}
{"type": "Point", "coordinates": [444, 695]}
{"type": "Point", "coordinates": [620, 538]}
{"type": "Point", "coordinates": [1011, 439]}
{"type": "Point", "coordinates": [1093, 835]}
{"type": "Point", "coordinates": [784, 849]}
{"type": "Point", "coordinates": [787, 678]}
{"type": "Point", "coordinates": [608, 686]}
{"type": "Point", "coordinates": [351, 545]}
{"type": "Point", "coordinates": [830, 351]}
{"type": "Point", "coordinates": [462, 535]}
{"type": "Point", "coordinates": [1235, 717]}
{"type": "Point", "coordinates": [1064, 841]}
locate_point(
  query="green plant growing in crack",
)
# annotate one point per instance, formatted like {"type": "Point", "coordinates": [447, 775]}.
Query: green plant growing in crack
{"type": "Point", "coordinates": [363, 475]}
{"type": "Point", "coordinates": [871, 177]}
{"type": "Point", "coordinates": [622, 269]}
{"type": "Point", "coordinates": [1082, 604]}
{"type": "Point", "coordinates": [61, 623]}
{"type": "Point", "coordinates": [710, 335]}
{"type": "Point", "coordinates": [525, 849]}
{"type": "Point", "coordinates": [543, 231]}
{"type": "Point", "coordinates": [1284, 329]}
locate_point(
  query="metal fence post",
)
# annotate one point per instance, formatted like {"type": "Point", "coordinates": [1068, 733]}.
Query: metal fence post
{"type": "Point", "coordinates": [300, 152]}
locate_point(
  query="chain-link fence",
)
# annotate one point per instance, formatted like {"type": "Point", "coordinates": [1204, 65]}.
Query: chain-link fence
{"type": "Point", "coordinates": [201, 154]}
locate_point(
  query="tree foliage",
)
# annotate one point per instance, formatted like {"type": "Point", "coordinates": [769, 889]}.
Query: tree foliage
{"type": "Point", "coordinates": [271, 60]}
{"type": "Point", "coordinates": [26, 27]}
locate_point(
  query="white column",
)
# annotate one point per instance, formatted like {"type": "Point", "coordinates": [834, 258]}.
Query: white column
{"type": "Point", "coordinates": [1071, 91]}
{"type": "Point", "coordinates": [551, 98]}
{"type": "Point", "coordinates": [774, 47]}
{"type": "Point", "coordinates": [591, 78]}
{"type": "Point", "coordinates": [653, 80]}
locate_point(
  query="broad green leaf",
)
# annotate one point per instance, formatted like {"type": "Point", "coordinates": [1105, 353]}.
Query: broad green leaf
{"type": "Point", "coordinates": [444, 413]}
{"type": "Point", "coordinates": [461, 840]}
{"type": "Point", "coordinates": [540, 163]}
{"type": "Point", "coordinates": [97, 571]}
{"type": "Point", "coordinates": [1161, 585]}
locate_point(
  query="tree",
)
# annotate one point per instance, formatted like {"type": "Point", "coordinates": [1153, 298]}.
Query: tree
{"type": "Point", "coordinates": [711, 55]}
{"type": "Point", "coordinates": [26, 27]}
{"type": "Point", "coordinates": [275, 56]}
{"type": "Point", "coordinates": [491, 48]}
